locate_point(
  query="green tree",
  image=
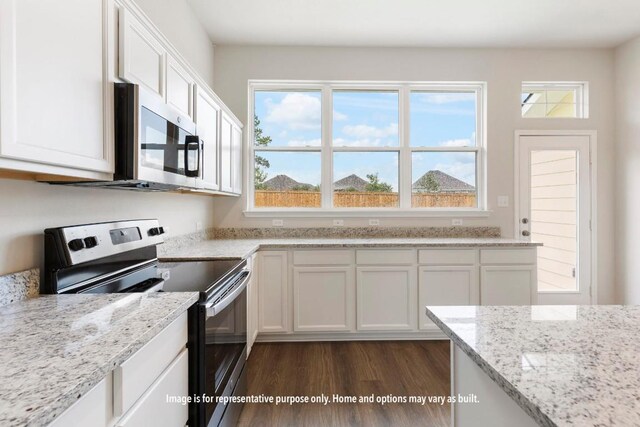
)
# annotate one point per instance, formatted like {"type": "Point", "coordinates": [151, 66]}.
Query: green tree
{"type": "Point", "coordinates": [376, 186]}
{"type": "Point", "coordinates": [428, 183]}
{"type": "Point", "coordinates": [261, 163]}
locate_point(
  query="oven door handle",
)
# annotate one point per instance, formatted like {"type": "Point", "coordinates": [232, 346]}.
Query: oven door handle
{"type": "Point", "coordinates": [215, 308]}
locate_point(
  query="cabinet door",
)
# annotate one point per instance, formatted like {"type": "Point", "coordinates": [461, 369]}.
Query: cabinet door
{"type": "Point", "coordinates": [508, 285]}
{"type": "Point", "coordinates": [226, 154]}
{"type": "Point", "coordinates": [273, 293]}
{"type": "Point", "coordinates": [252, 303]}
{"type": "Point", "coordinates": [55, 100]}
{"type": "Point", "coordinates": [450, 285]}
{"type": "Point", "coordinates": [323, 299]}
{"type": "Point", "coordinates": [95, 408]}
{"type": "Point", "coordinates": [207, 112]}
{"type": "Point", "coordinates": [236, 159]}
{"type": "Point", "coordinates": [386, 298]}
{"type": "Point", "coordinates": [180, 86]}
{"type": "Point", "coordinates": [142, 57]}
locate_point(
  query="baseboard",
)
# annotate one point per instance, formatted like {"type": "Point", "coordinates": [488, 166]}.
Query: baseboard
{"type": "Point", "coordinates": [352, 336]}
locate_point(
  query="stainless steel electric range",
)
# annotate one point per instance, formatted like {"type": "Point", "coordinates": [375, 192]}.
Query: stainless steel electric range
{"type": "Point", "coordinates": [122, 257]}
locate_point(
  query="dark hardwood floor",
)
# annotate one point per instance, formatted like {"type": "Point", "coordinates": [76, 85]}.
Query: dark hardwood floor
{"type": "Point", "coordinates": [399, 368]}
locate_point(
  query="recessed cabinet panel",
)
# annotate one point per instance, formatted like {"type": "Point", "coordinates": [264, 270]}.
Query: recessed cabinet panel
{"type": "Point", "coordinates": [508, 285]}
{"type": "Point", "coordinates": [179, 88]}
{"type": "Point", "coordinates": [448, 256]}
{"type": "Point", "coordinates": [323, 298]}
{"type": "Point", "coordinates": [142, 57]}
{"type": "Point", "coordinates": [446, 285]}
{"type": "Point", "coordinates": [54, 102]}
{"type": "Point", "coordinates": [508, 256]}
{"type": "Point", "coordinates": [236, 159]}
{"type": "Point", "coordinates": [226, 154]}
{"type": "Point", "coordinates": [386, 298]}
{"type": "Point", "coordinates": [386, 257]}
{"type": "Point", "coordinates": [207, 111]}
{"type": "Point", "coordinates": [273, 293]}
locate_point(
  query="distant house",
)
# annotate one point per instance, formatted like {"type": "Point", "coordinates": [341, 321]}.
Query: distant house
{"type": "Point", "coordinates": [350, 183]}
{"type": "Point", "coordinates": [284, 183]}
{"type": "Point", "coordinates": [438, 181]}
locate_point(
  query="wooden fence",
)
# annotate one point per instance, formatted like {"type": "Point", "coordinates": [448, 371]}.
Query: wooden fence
{"type": "Point", "coordinates": [311, 199]}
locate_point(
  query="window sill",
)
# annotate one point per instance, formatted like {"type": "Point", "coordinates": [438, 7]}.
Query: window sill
{"type": "Point", "coordinates": [367, 213]}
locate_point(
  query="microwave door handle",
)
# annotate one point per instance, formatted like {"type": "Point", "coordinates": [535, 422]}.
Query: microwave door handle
{"type": "Point", "coordinates": [189, 142]}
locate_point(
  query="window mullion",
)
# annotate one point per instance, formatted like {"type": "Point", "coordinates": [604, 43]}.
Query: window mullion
{"type": "Point", "coordinates": [326, 186]}
{"type": "Point", "coordinates": [404, 185]}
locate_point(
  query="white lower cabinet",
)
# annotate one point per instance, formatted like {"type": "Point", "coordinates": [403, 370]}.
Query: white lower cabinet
{"type": "Point", "coordinates": [273, 294]}
{"type": "Point", "coordinates": [446, 285]}
{"type": "Point", "coordinates": [508, 285]}
{"type": "Point", "coordinates": [386, 298]}
{"type": "Point", "coordinates": [367, 293]}
{"type": "Point", "coordinates": [252, 303]}
{"type": "Point", "coordinates": [323, 299]}
{"type": "Point", "coordinates": [135, 394]}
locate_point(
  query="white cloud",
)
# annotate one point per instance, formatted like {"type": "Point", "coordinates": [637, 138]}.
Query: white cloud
{"type": "Point", "coordinates": [316, 142]}
{"type": "Point", "coordinates": [338, 116]}
{"type": "Point", "coordinates": [366, 131]}
{"type": "Point", "coordinates": [297, 110]}
{"type": "Point", "coordinates": [462, 142]}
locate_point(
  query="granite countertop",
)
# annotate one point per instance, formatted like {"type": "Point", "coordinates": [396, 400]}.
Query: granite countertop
{"type": "Point", "coordinates": [564, 365]}
{"type": "Point", "coordinates": [243, 248]}
{"type": "Point", "coordinates": [56, 348]}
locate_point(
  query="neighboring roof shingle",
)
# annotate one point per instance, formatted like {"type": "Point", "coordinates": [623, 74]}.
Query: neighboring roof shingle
{"type": "Point", "coordinates": [283, 183]}
{"type": "Point", "coordinates": [443, 182]}
{"type": "Point", "coordinates": [352, 181]}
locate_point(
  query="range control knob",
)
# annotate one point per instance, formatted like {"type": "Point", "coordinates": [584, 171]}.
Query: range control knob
{"type": "Point", "coordinates": [156, 231]}
{"type": "Point", "coordinates": [76, 244]}
{"type": "Point", "coordinates": [90, 242]}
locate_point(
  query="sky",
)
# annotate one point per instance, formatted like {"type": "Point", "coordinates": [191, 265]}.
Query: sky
{"type": "Point", "coordinates": [368, 119]}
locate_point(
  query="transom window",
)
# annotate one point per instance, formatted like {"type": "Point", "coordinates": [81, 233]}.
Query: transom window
{"type": "Point", "coordinates": [352, 147]}
{"type": "Point", "coordinates": [554, 100]}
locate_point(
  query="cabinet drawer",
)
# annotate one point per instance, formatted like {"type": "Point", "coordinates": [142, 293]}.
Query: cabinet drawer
{"type": "Point", "coordinates": [323, 257]}
{"type": "Point", "coordinates": [508, 256]}
{"type": "Point", "coordinates": [386, 257]}
{"type": "Point", "coordinates": [134, 376]}
{"type": "Point", "coordinates": [154, 409]}
{"type": "Point", "coordinates": [447, 256]}
{"type": "Point", "coordinates": [93, 409]}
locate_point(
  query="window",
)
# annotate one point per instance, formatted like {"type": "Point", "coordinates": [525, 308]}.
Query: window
{"type": "Point", "coordinates": [554, 100]}
{"type": "Point", "coordinates": [353, 147]}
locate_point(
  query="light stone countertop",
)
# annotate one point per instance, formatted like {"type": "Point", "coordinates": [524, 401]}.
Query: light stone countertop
{"type": "Point", "coordinates": [55, 348]}
{"type": "Point", "coordinates": [564, 365]}
{"type": "Point", "coordinates": [243, 248]}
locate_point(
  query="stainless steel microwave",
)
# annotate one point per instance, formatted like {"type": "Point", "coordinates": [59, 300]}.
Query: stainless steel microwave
{"type": "Point", "coordinates": [156, 146]}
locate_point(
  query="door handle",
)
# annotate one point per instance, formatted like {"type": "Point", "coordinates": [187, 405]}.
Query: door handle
{"type": "Point", "coordinates": [191, 141]}
{"type": "Point", "coordinates": [526, 233]}
{"type": "Point", "coordinates": [525, 220]}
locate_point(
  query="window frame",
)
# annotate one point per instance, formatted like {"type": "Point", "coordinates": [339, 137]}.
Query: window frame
{"type": "Point", "coordinates": [404, 149]}
{"type": "Point", "coordinates": [581, 89]}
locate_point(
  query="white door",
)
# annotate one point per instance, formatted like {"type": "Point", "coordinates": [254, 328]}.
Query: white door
{"type": "Point", "coordinates": [554, 208]}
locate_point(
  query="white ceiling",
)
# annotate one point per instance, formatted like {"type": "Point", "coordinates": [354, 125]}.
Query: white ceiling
{"type": "Point", "coordinates": [432, 23]}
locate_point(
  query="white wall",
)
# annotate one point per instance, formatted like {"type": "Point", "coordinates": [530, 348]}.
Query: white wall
{"type": "Point", "coordinates": [627, 77]}
{"type": "Point", "coordinates": [27, 208]}
{"type": "Point", "coordinates": [503, 69]}
{"type": "Point", "coordinates": [179, 23]}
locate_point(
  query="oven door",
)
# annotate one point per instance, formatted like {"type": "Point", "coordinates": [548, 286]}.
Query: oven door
{"type": "Point", "coordinates": [168, 151]}
{"type": "Point", "coordinates": [225, 347]}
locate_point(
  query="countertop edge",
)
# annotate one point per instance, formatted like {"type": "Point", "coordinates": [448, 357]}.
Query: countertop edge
{"type": "Point", "coordinates": [529, 407]}
{"type": "Point", "coordinates": [45, 415]}
{"type": "Point", "coordinates": [272, 244]}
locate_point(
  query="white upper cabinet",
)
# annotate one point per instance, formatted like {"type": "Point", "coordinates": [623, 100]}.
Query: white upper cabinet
{"type": "Point", "coordinates": [180, 86]}
{"type": "Point", "coordinates": [236, 159]}
{"type": "Point", "coordinates": [207, 113]}
{"type": "Point", "coordinates": [227, 170]}
{"type": "Point", "coordinates": [142, 56]}
{"type": "Point", "coordinates": [55, 101]}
